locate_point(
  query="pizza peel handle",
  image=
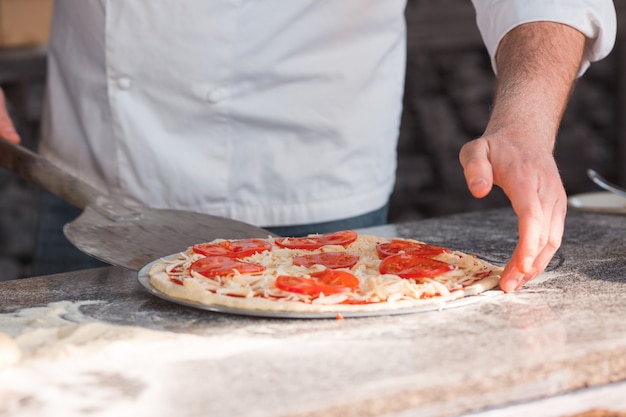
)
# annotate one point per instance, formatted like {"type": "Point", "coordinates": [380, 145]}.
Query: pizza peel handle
{"type": "Point", "coordinates": [34, 168]}
{"type": "Point", "coordinates": [130, 237]}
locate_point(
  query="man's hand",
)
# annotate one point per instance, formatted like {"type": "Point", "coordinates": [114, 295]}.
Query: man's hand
{"type": "Point", "coordinates": [530, 178]}
{"type": "Point", "coordinates": [7, 129]}
{"type": "Point", "coordinates": [537, 64]}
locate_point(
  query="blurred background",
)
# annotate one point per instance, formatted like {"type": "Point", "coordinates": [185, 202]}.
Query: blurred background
{"type": "Point", "coordinates": [449, 88]}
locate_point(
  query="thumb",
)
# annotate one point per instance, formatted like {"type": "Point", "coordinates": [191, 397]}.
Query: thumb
{"type": "Point", "coordinates": [474, 157]}
{"type": "Point", "coordinates": [7, 129]}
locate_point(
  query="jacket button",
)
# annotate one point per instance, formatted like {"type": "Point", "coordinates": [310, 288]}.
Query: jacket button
{"type": "Point", "coordinates": [124, 83]}
{"type": "Point", "coordinates": [217, 94]}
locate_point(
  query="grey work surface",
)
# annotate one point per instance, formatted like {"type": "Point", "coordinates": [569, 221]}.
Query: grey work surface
{"type": "Point", "coordinates": [563, 332]}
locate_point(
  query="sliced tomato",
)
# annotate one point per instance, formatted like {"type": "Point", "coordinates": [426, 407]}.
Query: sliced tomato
{"type": "Point", "coordinates": [343, 238]}
{"type": "Point", "coordinates": [328, 281]}
{"type": "Point", "coordinates": [213, 266]}
{"type": "Point", "coordinates": [408, 265]}
{"type": "Point", "coordinates": [394, 247]}
{"type": "Point", "coordinates": [233, 248]}
{"type": "Point", "coordinates": [331, 260]}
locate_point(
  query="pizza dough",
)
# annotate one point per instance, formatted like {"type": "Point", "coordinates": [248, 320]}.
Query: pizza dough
{"type": "Point", "coordinates": [277, 275]}
{"type": "Point", "coordinates": [10, 353]}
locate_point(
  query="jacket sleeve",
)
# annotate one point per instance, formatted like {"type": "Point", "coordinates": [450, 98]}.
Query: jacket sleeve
{"type": "Point", "coordinates": [596, 19]}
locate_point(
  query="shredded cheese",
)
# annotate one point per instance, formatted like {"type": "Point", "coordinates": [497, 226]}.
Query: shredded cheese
{"type": "Point", "coordinates": [374, 286]}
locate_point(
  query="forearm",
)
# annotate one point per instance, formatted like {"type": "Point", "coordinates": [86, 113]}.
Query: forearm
{"type": "Point", "coordinates": [537, 64]}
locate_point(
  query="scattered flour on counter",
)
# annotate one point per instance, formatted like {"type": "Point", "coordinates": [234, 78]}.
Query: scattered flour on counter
{"type": "Point", "coordinates": [60, 329]}
{"type": "Point", "coordinates": [71, 363]}
{"type": "Point", "coordinates": [10, 352]}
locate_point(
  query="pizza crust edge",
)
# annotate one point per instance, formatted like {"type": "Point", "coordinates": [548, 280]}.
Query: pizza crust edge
{"type": "Point", "coordinates": [159, 279]}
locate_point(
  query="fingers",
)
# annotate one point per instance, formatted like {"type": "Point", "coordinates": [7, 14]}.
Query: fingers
{"type": "Point", "coordinates": [541, 225]}
{"type": "Point", "coordinates": [7, 129]}
{"type": "Point", "coordinates": [552, 243]}
{"type": "Point", "coordinates": [520, 268]}
{"type": "Point", "coordinates": [474, 158]}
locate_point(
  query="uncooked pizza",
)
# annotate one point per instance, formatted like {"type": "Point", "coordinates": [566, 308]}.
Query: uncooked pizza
{"type": "Point", "coordinates": [337, 272]}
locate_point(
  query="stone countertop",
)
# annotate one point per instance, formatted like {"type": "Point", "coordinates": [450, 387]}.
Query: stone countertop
{"type": "Point", "coordinates": [564, 331]}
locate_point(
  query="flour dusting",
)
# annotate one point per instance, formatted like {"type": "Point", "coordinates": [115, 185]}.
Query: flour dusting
{"type": "Point", "coordinates": [72, 363]}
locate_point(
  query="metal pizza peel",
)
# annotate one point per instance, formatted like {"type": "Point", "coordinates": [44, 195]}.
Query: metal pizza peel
{"type": "Point", "coordinates": [130, 237]}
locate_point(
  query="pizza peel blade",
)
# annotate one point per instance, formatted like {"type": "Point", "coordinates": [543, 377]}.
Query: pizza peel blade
{"type": "Point", "coordinates": [130, 237]}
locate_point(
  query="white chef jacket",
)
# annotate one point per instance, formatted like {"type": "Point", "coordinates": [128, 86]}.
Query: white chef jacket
{"type": "Point", "coordinates": [271, 112]}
